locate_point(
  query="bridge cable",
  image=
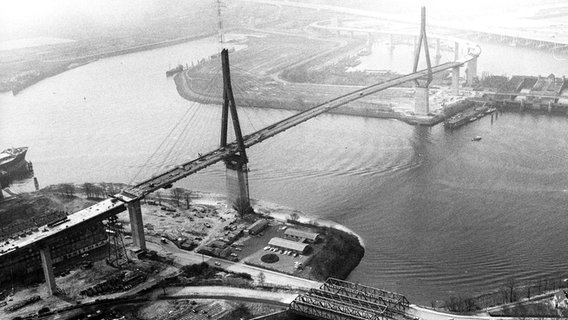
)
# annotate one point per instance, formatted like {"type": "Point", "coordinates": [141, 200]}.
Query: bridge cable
{"type": "Point", "coordinates": [240, 95]}
{"type": "Point", "coordinates": [163, 147]}
{"type": "Point", "coordinates": [185, 132]}
{"type": "Point", "coordinates": [158, 148]}
{"type": "Point", "coordinates": [182, 139]}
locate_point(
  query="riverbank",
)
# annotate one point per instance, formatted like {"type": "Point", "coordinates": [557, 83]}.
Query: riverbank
{"type": "Point", "coordinates": [21, 82]}
{"type": "Point", "coordinates": [190, 222]}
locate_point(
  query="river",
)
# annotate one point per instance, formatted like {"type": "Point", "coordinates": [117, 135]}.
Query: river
{"type": "Point", "coordinates": [440, 215]}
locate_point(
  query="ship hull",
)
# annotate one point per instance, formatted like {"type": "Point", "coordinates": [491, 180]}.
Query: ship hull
{"type": "Point", "coordinates": [15, 162]}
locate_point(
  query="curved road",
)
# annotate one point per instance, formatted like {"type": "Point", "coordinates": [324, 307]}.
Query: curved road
{"type": "Point", "coordinates": [271, 277]}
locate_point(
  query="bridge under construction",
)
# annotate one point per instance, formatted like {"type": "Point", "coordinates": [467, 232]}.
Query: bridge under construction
{"type": "Point", "coordinates": [235, 158]}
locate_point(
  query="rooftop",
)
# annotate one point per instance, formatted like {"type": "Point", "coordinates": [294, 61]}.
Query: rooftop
{"type": "Point", "coordinates": [287, 244]}
{"type": "Point", "coordinates": [301, 234]}
{"type": "Point", "coordinates": [108, 206]}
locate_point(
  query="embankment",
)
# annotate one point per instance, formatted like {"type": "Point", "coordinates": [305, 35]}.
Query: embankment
{"type": "Point", "coordinates": [358, 108]}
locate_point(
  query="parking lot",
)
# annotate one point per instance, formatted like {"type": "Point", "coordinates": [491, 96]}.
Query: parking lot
{"type": "Point", "coordinates": [257, 246]}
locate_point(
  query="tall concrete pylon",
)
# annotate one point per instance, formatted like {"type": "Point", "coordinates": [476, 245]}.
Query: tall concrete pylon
{"type": "Point", "coordinates": [421, 97]}
{"type": "Point", "coordinates": [236, 165]}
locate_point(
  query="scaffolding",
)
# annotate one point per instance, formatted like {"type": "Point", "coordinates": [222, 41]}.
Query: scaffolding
{"type": "Point", "coordinates": [117, 256]}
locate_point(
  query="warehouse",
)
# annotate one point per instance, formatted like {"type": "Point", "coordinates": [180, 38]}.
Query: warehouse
{"type": "Point", "coordinates": [293, 246]}
{"type": "Point", "coordinates": [302, 236]}
{"type": "Point", "coordinates": [257, 227]}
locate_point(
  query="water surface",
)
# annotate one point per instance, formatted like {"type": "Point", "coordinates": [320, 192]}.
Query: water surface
{"type": "Point", "coordinates": [440, 214]}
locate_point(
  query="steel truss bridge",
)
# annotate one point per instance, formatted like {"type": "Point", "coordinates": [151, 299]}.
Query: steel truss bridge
{"type": "Point", "coordinates": [342, 300]}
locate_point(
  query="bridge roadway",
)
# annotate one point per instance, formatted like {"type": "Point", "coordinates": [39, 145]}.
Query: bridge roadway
{"type": "Point", "coordinates": [183, 170]}
{"type": "Point", "coordinates": [110, 207]}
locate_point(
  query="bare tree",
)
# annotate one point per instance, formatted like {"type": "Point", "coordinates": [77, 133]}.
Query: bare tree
{"type": "Point", "coordinates": [88, 189]}
{"type": "Point", "coordinates": [510, 288]}
{"type": "Point", "coordinates": [294, 216]}
{"type": "Point", "coordinates": [261, 278]}
{"type": "Point", "coordinates": [177, 194]}
{"type": "Point", "coordinates": [159, 197]}
{"type": "Point", "coordinates": [187, 198]}
{"type": "Point", "coordinates": [68, 189]}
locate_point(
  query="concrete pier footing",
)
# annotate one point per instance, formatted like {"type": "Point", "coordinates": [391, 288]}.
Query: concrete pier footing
{"type": "Point", "coordinates": [421, 100]}
{"type": "Point", "coordinates": [47, 266]}
{"type": "Point", "coordinates": [471, 71]}
{"type": "Point", "coordinates": [136, 224]}
{"type": "Point", "coordinates": [456, 51]}
{"type": "Point", "coordinates": [237, 185]}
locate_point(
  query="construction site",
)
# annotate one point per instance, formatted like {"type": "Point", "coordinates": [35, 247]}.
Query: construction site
{"type": "Point", "coordinates": [98, 260]}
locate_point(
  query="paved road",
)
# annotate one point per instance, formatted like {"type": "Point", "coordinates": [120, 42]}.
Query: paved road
{"type": "Point", "coordinates": [230, 293]}
{"type": "Point", "coordinates": [186, 257]}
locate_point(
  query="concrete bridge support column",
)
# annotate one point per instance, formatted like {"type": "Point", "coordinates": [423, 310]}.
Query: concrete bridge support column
{"type": "Point", "coordinates": [136, 224]}
{"type": "Point", "coordinates": [47, 266]}
{"type": "Point", "coordinates": [1, 195]}
{"type": "Point", "coordinates": [391, 41]}
{"type": "Point", "coordinates": [237, 185]}
{"type": "Point", "coordinates": [456, 81]}
{"type": "Point", "coordinates": [438, 53]}
{"type": "Point", "coordinates": [471, 71]}
{"type": "Point", "coordinates": [421, 100]}
{"type": "Point", "coordinates": [456, 51]}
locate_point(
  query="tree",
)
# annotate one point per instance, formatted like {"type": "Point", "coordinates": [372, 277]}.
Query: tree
{"type": "Point", "coordinates": [177, 194]}
{"type": "Point", "coordinates": [159, 197]}
{"type": "Point", "coordinates": [510, 286]}
{"type": "Point", "coordinates": [294, 216]}
{"type": "Point", "coordinates": [88, 190]}
{"type": "Point", "coordinates": [67, 189]}
{"type": "Point", "coordinates": [187, 198]}
{"type": "Point", "coordinates": [261, 278]}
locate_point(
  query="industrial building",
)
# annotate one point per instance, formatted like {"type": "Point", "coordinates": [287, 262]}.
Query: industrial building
{"type": "Point", "coordinates": [26, 264]}
{"type": "Point", "coordinates": [257, 227]}
{"type": "Point", "coordinates": [293, 246]}
{"type": "Point", "coordinates": [301, 236]}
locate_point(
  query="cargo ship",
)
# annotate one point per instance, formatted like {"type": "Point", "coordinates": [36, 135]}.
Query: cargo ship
{"type": "Point", "coordinates": [13, 160]}
{"type": "Point", "coordinates": [468, 115]}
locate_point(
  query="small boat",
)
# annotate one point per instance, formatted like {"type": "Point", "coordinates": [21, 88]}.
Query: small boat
{"type": "Point", "coordinates": [476, 138]}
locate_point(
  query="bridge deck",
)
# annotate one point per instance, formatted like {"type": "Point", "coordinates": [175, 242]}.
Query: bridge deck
{"type": "Point", "coordinates": [97, 211]}
{"type": "Point", "coordinates": [108, 207]}
{"type": "Point", "coordinates": [167, 178]}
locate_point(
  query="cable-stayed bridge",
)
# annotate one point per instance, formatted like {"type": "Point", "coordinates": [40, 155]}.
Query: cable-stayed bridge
{"type": "Point", "coordinates": [233, 154]}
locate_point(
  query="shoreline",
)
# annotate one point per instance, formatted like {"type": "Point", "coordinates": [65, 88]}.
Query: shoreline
{"type": "Point", "coordinates": [282, 214]}
{"type": "Point", "coordinates": [76, 62]}
{"type": "Point", "coordinates": [182, 80]}
{"type": "Point", "coordinates": [303, 218]}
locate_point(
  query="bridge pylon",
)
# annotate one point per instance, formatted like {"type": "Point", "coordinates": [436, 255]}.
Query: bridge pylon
{"type": "Point", "coordinates": [236, 164]}
{"type": "Point", "coordinates": [421, 101]}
